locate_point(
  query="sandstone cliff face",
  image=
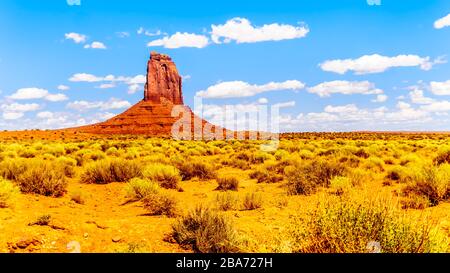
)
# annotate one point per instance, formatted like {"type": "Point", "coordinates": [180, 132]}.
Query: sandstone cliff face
{"type": "Point", "coordinates": [163, 80]}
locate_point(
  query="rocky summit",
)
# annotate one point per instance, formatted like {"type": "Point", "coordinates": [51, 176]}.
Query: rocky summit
{"type": "Point", "coordinates": [161, 108]}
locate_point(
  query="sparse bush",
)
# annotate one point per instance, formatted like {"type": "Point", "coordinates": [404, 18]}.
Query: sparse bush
{"type": "Point", "coordinates": [227, 183]}
{"type": "Point", "coordinates": [262, 175]}
{"type": "Point", "coordinates": [44, 178]}
{"type": "Point", "coordinates": [12, 168]}
{"type": "Point", "coordinates": [252, 201]}
{"type": "Point", "coordinates": [206, 231]}
{"type": "Point", "coordinates": [442, 158]}
{"type": "Point", "coordinates": [431, 182]}
{"type": "Point", "coordinates": [138, 188]}
{"type": "Point", "coordinates": [201, 170]}
{"type": "Point", "coordinates": [167, 176]}
{"type": "Point", "coordinates": [415, 201]}
{"type": "Point", "coordinates": [340, 184]}
{"type": "Point", "coordinates": [305, 179]}
{"type": "Point", "coordinates": [341, 226]}
{"type": "Point", "coordinates": [67, 164]}
{"type": "Point", "coordinates": [160, 204]}
{"type": "Point", "coordinates": [8, 193]}
{"type": "Point", "coordinates": [107, 171]}
{"type": "Point", "coordinates": [227, 201]}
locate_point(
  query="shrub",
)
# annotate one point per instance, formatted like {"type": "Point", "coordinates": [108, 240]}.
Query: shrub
{"type": "Point", "coordinates": [340, 226]}
{"type": "Point", "coordinates": [442, 158]}
{"type": "Point", "coordinates": [227, 183]}
{"type": "Point", "coordinates": [415, 202]}
{"type": "Point", "coordinates": [252, 201]}
{"type": "Point", "coordinates": [167, 176]}
{"type": "Point", "coordinates": [67, 164]}
{"type": "Point", "coordinates": [431, 182]}
{"type": "Point", "coordinates": [340, 184]}
{"type": "Point", "coordinates": [227, 201]}
{"type": "Point", "coordinates": [201, 170]}
{"type": "Point", "coordinates": [262, 175]}
{"type": "Point", "coordinates": [107, 171]}
{"type": "Point", "coordinates": [160, 204]}
{"type": "Point", "coordinates": [306, 179]}
{"type": "Point", "coordinates": [205, 231]}
{"type": "Point", "coordinates": [12, 168]}
{"type": "Point", "coordinates": [8, 193]}
{"type": "Point", "coordinates": [138, 188]}
{"type": "Point", "coordinates": [43, 220]}
{"type": "Point", "coordinates": [44, 178]}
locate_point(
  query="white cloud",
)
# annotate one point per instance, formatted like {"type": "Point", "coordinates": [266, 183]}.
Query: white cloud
{"type": "Point", "coordinates": [20, 108]}
{"type": "Point", "coordinates": [376, 63]}
{"type": "Point", "coordinates": [179, 39]}
{"type": "Point", "coordinates": [186, 77]}
{"type": "Point", "coordinates": [63, 87]}
{"type": "Point", "coordinates": [12, 115]}
{"type": "Point", "coordinates": [349, 108]}
{"type": "Point", "coordinates": [56, 97]}
{"type": "Point", "coordinates": [440, 88]}
{"type": "Point", "coordinates": [29, 93]}
{"type": "Point", "coordinates": [417, 97]}
{"type": "Point", "coordinates": [76, 37]}
{"type": "Point", "coordinates": [133, 88]}
{"type": "Point", "coordinates": [263, 101]}
{"type": "Point", "coordinates": [96, 45]}
{"type": "Point", "coordinates": [380, 98]}
{"type": "Point", "coordinates": [84, 77]}
{"type": "Point", "coordinates": [437, 106]}
{"type": "Point", "coordinates": [442, 22]}
{"type": "Point", "coordinates": [236, 89]}
{"type": "Point", "coordinates": [141, 30]}
{"type": "Point", "coordinates": [325, 89]}
{"type": "Point", "coordinates": [106, 85]}
{"type": "Point", "coordinates": [45, 115]}
{"type": "Point", "coordinates": [242, 31]}
{"type": "Point", "coordinates": [284, 104]}
{"type": "Point", "coordinates": [36, 93]}
{"type": "Point", "coordinates": [111, 104]}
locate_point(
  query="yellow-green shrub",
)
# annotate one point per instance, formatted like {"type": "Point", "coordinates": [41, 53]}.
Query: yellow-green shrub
{"type": "Point", "coordinates": [8, 193]}
{"type": "Point", "coordinates": [107, 171]}
{"type": "Point", "coordinates": [138, 188]}
{"type": "Point", "coordinates": [252, 201]}
{"type": "Point", "coordinates": [227, 183]}
{"type": "Point", "coordinates": [160, 204]}
{"type": "Point", "coordinates": [167, 176]}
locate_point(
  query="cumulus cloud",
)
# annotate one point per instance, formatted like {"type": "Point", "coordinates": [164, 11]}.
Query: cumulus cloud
{"type": "Point", "coordinates": [440, 88]}
{"type": "Point", "coordinates": [134, 83]}
{"type": "Point", "coordinates": [417, 97]}
{"type": "Point", "coordinates": [380, 98]}
{"type": "Point", "coordinates": [241, 30]}
{"type": "Point", "coordinates": [63, 87]}
{"type": "Point", "coordinates": [437, 106]}
{"type": "Point", "coordinates": [84, 77]}
{"type": "Point", "coordinates": [111, 104]}
{"type": "Point", "coordinates": [325, 89]}
{"type": "Point", "coordinates": [95, 45]}
{"type": "Point", "coordinates": [442, 22]}
{"type": "Point", "coordinates": [106, 85]}
{"type": "Point", "coordinates": [76, 37]}
{"type": "Point", "coordinates": [179, 39]}
{"type": "Point", "coordinates": [376, 63]}
{"type": "Point", "coordinates": [236, 89]}
{"type": "Point", "coordinates": [45, 115]}
{"type": "Point", "coordinates": [12, 115]}
{"type": "Point", "coordinates": [17, 107]}
{"type": "Point", "coordinates": [36, 93]}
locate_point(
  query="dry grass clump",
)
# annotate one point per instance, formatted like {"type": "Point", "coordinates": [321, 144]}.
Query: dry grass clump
{"type": "Point", "coordinates": [228, 183]}
{"type": "Point", "coordinates": [431, 182]}
{"type": "Point", "coordinates": [160, 204]}
{"type": "Point", "coordinates": [190, 169]}
{"type": "Point", "coordinates": [442, 158]}
{"type": "Point", "coordinates": [167, 176]}
{"type": "Point", "coordinates": [227, 201]}
{"type": "Point", "coordinates": [107, 171]}
{"type": "Point", "coordinates": [205, 230]}
{"type": "Point", "coordinates": [305, 179]}
{"type": "Point", "coordinates": [42, 177]}
{"type": "Point", "coordinates": [344, 226]}
{"type": "Point", "coordinates": [138, 188]}
{"type": "Point", "coordinates": [12, 168]}
{"type": "Point", "coordinates": [8, 193]}
{"type": "Point", "coordinates": [252, 201]}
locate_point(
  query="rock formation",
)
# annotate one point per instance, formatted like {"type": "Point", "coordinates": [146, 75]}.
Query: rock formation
{"type": "Point", "coordinates": [160, 109]}
{"type": "Point", "coordinates": [163, 80]}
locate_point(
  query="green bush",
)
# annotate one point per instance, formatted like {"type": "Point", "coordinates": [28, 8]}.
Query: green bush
{"type": "Point", "coordinates": [341, 226]}
{"type": "Point", "coordinates": [8, 193]}
{"type": "Point", "coordinates": [167, 176]}
{"type": "Point", "coordinates": [107, 171]}
{"type": "Point", "coordinates": [206, 231]}
{"type": "Point", "coordinates": [201, 170]}
{"type": "Point", "coordinates": [227, 183]}
{"type": "Point", "coordinates": [138, 188]}
{"type": "Point", "coordinates": [160, 204]}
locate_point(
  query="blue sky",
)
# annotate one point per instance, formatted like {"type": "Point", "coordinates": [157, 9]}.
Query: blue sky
{"type": "Point", "coordinates": [336, 65]}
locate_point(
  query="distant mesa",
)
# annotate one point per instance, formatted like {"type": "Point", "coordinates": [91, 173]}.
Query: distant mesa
{"type": "Point", "coordinates": [161, 108]}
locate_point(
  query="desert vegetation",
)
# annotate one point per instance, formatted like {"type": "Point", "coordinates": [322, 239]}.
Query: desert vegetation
{"type": "Point", "coordinates": [314, 193]}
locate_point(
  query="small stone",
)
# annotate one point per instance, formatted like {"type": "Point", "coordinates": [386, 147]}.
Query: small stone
{"type": "Point", "coordinates": [86, 235]}
{"type": "Point", "coordinates": [116, 239]}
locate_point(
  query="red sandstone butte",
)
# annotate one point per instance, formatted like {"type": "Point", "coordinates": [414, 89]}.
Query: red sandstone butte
{"type": "Point", "coordinates": [161, 109]}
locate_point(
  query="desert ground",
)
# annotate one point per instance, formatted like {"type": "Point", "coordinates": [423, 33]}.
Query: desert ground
{"type": "Point", "coordinates": [318, 192]}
